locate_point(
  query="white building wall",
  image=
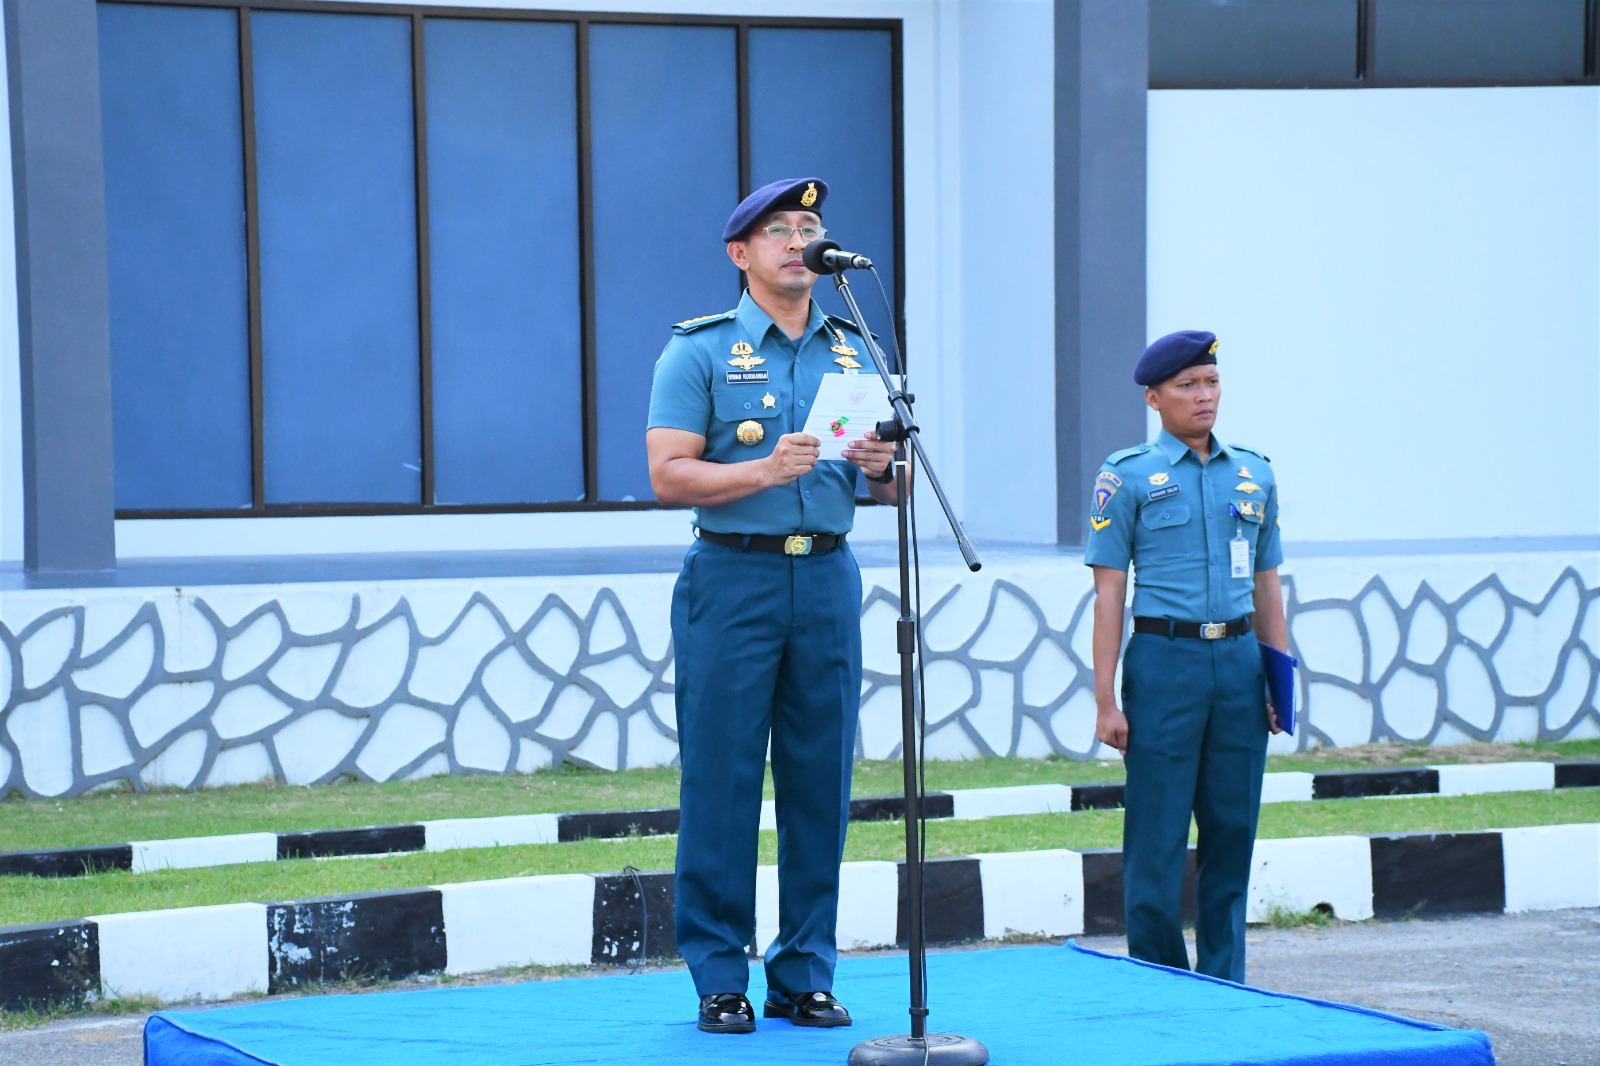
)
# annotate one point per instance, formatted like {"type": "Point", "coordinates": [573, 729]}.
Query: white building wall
{"type": "Point", "coordinates": [1404, 283]}
{"type": "Point", "coordinates": [1001, 375]}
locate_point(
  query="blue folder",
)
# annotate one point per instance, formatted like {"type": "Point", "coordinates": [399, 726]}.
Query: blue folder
{"type": "Point", "coordinates": [1279, 668]}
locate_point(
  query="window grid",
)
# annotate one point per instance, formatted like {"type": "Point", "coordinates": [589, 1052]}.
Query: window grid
{"type": "Point", "coordinates": [418, 14]}
{"type": "Point", "coordinates": [1364, 76]}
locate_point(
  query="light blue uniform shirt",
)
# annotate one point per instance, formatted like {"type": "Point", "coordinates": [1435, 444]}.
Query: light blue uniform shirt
{"type": "Point", "coordinates": [1157, 508]}
{"type": "Point", "coordinates": [702, 386]}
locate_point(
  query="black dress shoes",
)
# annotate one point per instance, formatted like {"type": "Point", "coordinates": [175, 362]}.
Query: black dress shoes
{"type": "Point", "coordinates": [726, 1012]}
{"type": "Point", "coordinates": [816, 1009]}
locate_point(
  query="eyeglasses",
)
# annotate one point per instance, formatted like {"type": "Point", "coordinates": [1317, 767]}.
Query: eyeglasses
{"type": "Point", "coordinates": [778, 231]}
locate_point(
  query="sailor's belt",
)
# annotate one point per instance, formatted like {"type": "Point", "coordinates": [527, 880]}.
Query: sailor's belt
{"type": "Point", "coordinates": [777, 544]}
{"type": "Point", "coordinates": [1167, 627]}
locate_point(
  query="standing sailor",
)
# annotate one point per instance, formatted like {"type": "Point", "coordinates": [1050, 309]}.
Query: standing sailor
{"type": "Point", "coordinates": [1198, 522]}
{"type": "Point", "coordinates": [766, 615]}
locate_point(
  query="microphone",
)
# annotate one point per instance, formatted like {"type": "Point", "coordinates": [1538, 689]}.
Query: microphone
{"type": "Point", "coordinates": [826, 257]}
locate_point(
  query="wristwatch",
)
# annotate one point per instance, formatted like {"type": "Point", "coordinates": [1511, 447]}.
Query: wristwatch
{"type": "Point", "coordinates": [888, 475]}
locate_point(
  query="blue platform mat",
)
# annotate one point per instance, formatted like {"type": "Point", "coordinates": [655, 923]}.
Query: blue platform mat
{"type": "Point", "coordinates": [1032, 1006]}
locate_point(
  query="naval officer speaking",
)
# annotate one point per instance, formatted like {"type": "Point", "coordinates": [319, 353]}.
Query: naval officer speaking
{"type": "Point", "coordinates": [766, 614]}
{"type": "Point", "coordinates": [1198, 522]}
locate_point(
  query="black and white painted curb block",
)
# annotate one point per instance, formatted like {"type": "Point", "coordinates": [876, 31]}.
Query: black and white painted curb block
{"type": "Point", "coordinates": [580, 919]}
{"type": "Point", "coordinates": [957, 804]}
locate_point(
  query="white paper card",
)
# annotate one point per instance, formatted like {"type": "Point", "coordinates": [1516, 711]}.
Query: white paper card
{"type": "Point", "coordinates": [847, 405]}
{"type": "Point", "coordinates": [1239, 556]}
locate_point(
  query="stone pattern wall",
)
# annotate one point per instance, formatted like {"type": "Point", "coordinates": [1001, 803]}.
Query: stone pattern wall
{"type": "Point", "coordinates": [307, 683]}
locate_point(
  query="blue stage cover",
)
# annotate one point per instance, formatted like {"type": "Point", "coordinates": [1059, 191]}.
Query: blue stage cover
{"type": "Point", "coordinates": [1031, 1006]}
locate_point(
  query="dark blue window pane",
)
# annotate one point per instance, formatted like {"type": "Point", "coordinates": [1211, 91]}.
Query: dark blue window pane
{"type": "Point", "coordinates": [838, 125]}
{"type": "Point", "coordinates": [1252, 42]}
{"type": "Point", "coordinates": [666, 176]}
{"type": "Point", "coordinates": [334, 150]}
{"type": "Point", "coordinates": [1478, 40]}
{"type": "Point", "coordinates": [503, 225]}
{"type": "Point", "coordinates": [180, 359]}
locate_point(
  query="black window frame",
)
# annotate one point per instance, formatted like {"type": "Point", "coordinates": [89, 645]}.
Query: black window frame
{"type": "Point", "coordinates": [582, 20]}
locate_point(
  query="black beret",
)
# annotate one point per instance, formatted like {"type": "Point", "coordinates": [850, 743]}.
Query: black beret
{"type": "Point", "coordinates": [788, 194]}
{"type": "Point", "coordinates": [1175, 352]}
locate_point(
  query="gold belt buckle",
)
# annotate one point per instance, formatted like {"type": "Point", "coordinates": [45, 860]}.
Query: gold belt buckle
{"type": "Point", "coordinates": [797, 545]}
{"type": "Point", "coordinates": [1213, 630]}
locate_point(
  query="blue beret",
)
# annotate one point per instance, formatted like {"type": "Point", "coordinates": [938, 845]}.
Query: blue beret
{"type": "Point", "coordinates": [788, 194]}
{"type": "Point", "coordinates": [1175, 352]}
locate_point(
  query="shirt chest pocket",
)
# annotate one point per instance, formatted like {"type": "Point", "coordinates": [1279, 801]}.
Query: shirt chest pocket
{"type": "Point", "coordinates": [739, 402]}
{"type": "Point", "coordinates": [1164, 515]}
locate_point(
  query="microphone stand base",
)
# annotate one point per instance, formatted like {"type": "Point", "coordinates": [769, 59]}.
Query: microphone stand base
{"type": "Point", "coordinates": [945, 1049]}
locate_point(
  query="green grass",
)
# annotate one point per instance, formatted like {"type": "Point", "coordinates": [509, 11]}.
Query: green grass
{"type": "Point", "coordinates": [33, 1018]}
{"type": "Point", "coordinates": [1280, 916]}
{"type": "Point", "coordinates": [111, 817]}
{"type": "Point", "coordinates": [26, 900]}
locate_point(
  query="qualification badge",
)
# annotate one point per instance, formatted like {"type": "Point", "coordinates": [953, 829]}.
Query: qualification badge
{"type": "Point", "coordinates": [751, 432]}
{"type": "Point", "coordinates": [744, 356]}
{"type": "Point", "coordinates": [844, 352]}
{"type": "Point", "coordinates": [768, 401]}
{"type": "Point", "coordinates": [1247, 487]}
{"type": "Point", "coordinates": [1244, 472]}
{"type": "Point", "coordinates": [1159, 478]}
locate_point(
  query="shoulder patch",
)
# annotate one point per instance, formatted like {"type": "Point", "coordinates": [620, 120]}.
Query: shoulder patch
{"type": "Point", "coordinates": [1126, 453]}
{"type": "Point", "coordinates": [1252, 451]}
{"type": "Point", "coordinates": [689, 325]}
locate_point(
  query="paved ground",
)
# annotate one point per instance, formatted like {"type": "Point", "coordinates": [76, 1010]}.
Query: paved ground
{"type": "Point", "coordinates": [1532, 982]}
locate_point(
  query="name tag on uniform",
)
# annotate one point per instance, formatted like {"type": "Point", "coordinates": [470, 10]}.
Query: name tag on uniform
{"type": "Point", "coordinates": [1163, 492]}
{"type": "Point", "coordinates": [1239, 555]}
{"type": "Point", "coordinates": [747, 377]}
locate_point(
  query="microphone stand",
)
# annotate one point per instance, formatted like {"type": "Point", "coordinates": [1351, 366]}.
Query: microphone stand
{"type": "Point", "coordinates": [919, 1048]}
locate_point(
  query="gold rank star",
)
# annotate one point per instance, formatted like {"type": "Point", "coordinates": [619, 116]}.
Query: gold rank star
{"type": "Point", "coordinates": [768, 401]}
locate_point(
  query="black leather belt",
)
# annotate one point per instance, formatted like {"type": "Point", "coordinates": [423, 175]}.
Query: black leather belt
{"type": "Point", "coordinates": [1166, 627]}
{"type": "Point", "coordinates": [790, 544]}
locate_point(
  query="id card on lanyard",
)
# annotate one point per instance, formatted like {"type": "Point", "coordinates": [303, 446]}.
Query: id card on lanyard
{"type": "Point", "coordinates": [1238, 547]}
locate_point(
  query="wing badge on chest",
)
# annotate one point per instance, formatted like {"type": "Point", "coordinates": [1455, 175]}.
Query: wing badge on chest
{"type": "Point", "coordinates": [745, 357]}
{"type": "Point", "coordinates": [845, 353]}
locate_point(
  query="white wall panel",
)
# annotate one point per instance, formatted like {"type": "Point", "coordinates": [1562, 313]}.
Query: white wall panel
{"type": "Point", "coordinates": [1404, 283]}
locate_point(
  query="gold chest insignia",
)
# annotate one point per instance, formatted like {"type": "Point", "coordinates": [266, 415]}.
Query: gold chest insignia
{"type": "Point", "coordinates": [809, 197]}
{"type": "Point", "coordinates": [768, 401]}
{"type": "Point", "coordinates": [1244, 472]}
{"type": "Point", "coordinates": [1247, 487]}
{"type": "Point", "coordinates": [843, 349]}
{"type": "Point", "coordinates": [1159, 478]}
{"type": "Point", "coordinates": [751, 432]}
{"type": "Point", "coordinates": [744, 356]}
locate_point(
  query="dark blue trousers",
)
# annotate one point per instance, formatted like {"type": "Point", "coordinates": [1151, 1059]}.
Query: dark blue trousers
{"type": "Point", "coordinates": [1197, 744]}
{"type": "Point", "coordinates": [768, 648]}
